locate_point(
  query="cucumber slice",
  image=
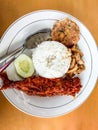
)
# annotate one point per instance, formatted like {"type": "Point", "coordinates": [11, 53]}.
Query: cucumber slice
{"type": "Point", "coordinates": [24, 66]}
{"type": "Point", "coordinates": [12, 74]}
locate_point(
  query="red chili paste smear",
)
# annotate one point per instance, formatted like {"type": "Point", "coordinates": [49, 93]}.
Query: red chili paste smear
{"type": "Point", "coordinates": [41, 86]}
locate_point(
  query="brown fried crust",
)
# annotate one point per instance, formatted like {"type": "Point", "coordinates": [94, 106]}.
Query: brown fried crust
{"type": "Point", "coordinates": [66, 31]}
{"type": "Point", "coordinates": [41, 86]}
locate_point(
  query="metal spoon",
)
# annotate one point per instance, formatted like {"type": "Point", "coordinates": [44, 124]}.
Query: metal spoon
{"type": "Point", "coordinates": [31, 42]}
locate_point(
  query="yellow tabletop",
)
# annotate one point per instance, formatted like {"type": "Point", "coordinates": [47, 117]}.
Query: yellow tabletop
{"type": "Point", "coordinates": [83, 118]}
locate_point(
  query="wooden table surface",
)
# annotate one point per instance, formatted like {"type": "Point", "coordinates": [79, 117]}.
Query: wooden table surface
{"type": "Point", "coordinates": [83, 118]}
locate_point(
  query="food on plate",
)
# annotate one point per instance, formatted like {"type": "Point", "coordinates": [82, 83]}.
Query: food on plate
{"type": "Point", "coordinates": [41, 86]}
{"type": "Point", "coordinates": [51, 59]}
{"type": "Point", "coordinates": [52, 67]}
{"type": "Point", "coordinates": [12, 73]}
{"type": "Point", "coordinates": [11, 70]}
{"type": "Point", "coordinates": [24, 66]}
{"type": "Point", "coordinates": [77, 64]}
{"type": "Point", "coordinates": [66, 31]}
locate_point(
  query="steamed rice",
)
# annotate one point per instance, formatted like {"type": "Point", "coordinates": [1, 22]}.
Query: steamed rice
{"type": "Point", "coordinates": [51, 59]}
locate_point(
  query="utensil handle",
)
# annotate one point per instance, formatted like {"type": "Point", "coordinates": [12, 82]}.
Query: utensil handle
{"type": "Point", "coordinates": [4, 58]}
{"type": "Point", "coordinates": [6, 64]}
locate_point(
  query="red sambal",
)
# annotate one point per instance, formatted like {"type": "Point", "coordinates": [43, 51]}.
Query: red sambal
{"type": "Point", "coordinates": [37, 85]}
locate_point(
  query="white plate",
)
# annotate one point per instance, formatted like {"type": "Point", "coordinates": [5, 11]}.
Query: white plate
{"type": "Point", "coordinates": [58, 105]}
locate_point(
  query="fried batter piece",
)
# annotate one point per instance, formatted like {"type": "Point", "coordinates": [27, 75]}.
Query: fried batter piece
{"type": "Point", "coordinates": [77, 64]}
{"type": "Point", "coordinates": [41, 86]}
{"type": "Point", "coordinates": [66, 31]}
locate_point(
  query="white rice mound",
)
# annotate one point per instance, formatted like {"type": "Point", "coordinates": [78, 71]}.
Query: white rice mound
{"type": "Point", "coordinates": [51, 59]}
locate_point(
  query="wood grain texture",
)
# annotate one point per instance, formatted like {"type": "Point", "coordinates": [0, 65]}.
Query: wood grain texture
{"type": "Point", "coordinates": [83, 118]}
